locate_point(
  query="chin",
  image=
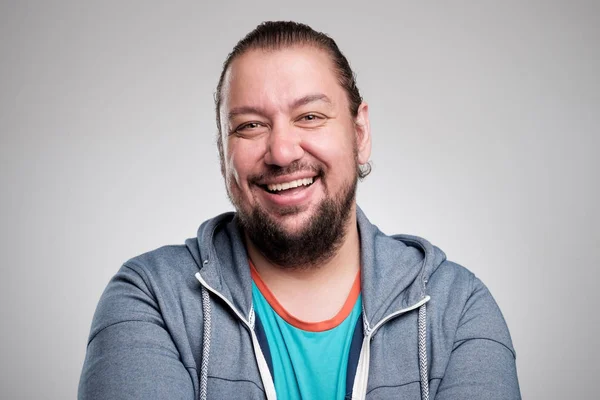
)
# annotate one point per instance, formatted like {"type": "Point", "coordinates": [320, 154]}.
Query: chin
{"type": "Point", "coordinates": [295, 226]}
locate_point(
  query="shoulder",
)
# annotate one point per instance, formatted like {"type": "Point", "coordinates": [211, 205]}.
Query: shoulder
{"type": "Point", "coordinates": [168, 261]}
{"type": "Point", "coordinates": [145, 285]}
{"type": "Point", "coordinates": [452, 285]}
{"type": "Point", "coordinates": [451, 279]}
{"type": "Point", "coordinates": [462, 304]}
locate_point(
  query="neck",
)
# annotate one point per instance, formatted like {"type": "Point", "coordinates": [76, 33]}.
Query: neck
{"type": "Point", "coordinates": [314, 293]}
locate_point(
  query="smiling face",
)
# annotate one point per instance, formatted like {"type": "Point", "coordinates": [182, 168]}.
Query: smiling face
{"type": "Point", "coordinates": [291, 148]}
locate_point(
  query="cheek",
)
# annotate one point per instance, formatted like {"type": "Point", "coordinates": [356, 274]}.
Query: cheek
{"type": "Point", "coordinates": [241, 159]}
{"type": "Point", "coordinates": [333, 147]}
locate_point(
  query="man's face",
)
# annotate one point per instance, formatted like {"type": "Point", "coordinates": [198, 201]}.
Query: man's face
{"type": "Point", "coordinates": [290, 144]}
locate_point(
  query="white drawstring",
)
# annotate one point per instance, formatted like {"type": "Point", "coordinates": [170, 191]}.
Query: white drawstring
{"type": "Point", "coordinates": [205, 343]}
{"type": "Point", "coordinates": [423, 372]}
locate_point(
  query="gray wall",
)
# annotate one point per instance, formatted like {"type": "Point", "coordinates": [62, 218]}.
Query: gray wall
{"type": "Point", "coordinates": [485, 123]}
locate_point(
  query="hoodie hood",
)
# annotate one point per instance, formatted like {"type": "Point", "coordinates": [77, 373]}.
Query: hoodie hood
{"type": "Point", "coordinates": [394, 269]}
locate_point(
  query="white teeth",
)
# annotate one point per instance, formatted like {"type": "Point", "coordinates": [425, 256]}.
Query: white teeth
{"type": "Point", "coordinates": [277, 187]}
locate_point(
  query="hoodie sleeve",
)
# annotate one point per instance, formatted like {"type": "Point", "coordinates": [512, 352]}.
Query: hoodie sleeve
{"type": "Point", "coordinates": [482, 362]}
{"type": "Point", "coordinates": [130, 353]}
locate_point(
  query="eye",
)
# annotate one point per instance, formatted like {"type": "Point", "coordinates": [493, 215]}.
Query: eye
{"type": "Point", "coordinates": [310, 117]}
{"type": "Point", "coordinates": [311, 120]}
{"type": "Point", "coordinates": [247, 127]}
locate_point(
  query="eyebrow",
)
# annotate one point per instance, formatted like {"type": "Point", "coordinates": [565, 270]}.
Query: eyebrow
{"type": "Point", "coordinates": [244, 110]}
{"type": "Point", "coordinates": [302, 101]}
{"type": "Point", "coordinates": [311, 98]}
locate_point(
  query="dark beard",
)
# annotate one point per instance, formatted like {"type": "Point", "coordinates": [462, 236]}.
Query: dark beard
{"type": "Point", "coordinates": [315, 244]}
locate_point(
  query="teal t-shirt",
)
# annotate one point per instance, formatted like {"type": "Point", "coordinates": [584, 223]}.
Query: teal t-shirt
{"type": "Point", "coordinates": [308, 364]}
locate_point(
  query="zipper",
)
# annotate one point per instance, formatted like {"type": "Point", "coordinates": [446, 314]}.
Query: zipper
{"type": "Point", "coordinates": [359, 389]}
{"type": "Point", "coordinates": [263, 367]}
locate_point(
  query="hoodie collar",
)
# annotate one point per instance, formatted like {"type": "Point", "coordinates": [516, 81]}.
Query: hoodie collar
{"type": "Point", "coordinates": [394, 269]}
{"type": "Point", "coordinates": [220, 252]}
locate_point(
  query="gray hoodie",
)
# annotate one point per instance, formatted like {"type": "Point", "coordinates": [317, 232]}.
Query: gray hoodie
{"type": "Point", "coordinates": [178, 323]}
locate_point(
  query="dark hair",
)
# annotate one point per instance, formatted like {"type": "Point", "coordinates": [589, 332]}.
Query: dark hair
{"type": "Point", "coordinates": [274, 35]}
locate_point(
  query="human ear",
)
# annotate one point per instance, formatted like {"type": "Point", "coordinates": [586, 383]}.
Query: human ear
{"type": "Point", "coordinates": [363, 133]}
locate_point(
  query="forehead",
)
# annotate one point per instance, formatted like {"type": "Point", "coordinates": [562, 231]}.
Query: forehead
{"type": "Point", "coordinates": [274, 78]}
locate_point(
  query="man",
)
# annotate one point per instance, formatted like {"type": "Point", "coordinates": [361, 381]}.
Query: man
{"type": "Point", "coordinates": [296, 295]}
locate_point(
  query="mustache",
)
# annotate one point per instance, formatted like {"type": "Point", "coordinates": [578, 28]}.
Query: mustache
{"type": "Point", "coordinates": [274, 171]}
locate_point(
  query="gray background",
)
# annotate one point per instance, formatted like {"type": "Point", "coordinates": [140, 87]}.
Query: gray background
{"type": "Point", "coordinates": [485, 123]}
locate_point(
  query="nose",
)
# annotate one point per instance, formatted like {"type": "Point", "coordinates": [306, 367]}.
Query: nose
{"type": "Point", "coordinates": [284, 147]}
